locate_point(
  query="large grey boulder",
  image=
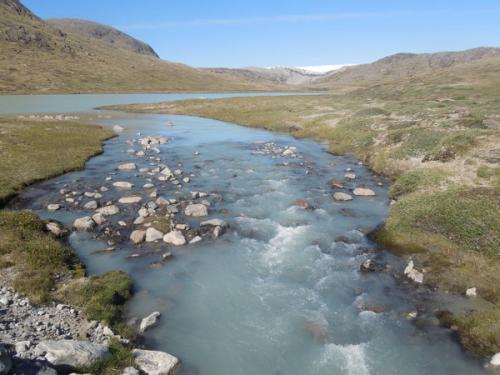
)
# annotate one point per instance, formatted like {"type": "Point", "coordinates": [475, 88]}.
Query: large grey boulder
{"type": "Point", "coordinates": [156, 363]}
{"type": "Point", "coordinates": [138, 236]}
{"type": "Point", "coordinates": [72, 353]}
{"type": "Point", "coordinates": [5, 361]}
{"type": "Point", "coordinates": [149, 321]}
{"type": "Point", "coordinates": [108, 210]}
{"type": "Point", "coordinates": [175, 238]}
{"type": "Point", "coordinates": [153, 234]}
{"type": "Point", "coordinates": [196, 210]}
{"type": "Point", "coordinates": [363, 192]}
{"type": "Point", "coordinates": [339, 196]}
{"type": "Point", "coordinates": [84, 224]}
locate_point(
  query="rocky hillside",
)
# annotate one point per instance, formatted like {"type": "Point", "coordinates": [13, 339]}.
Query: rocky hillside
{"type": "Point", "coordinates": [93, 30]}
{"type": "Point", "coordinates": [404, 66]}
{"type": "Point", "coordinates": [76, 56]}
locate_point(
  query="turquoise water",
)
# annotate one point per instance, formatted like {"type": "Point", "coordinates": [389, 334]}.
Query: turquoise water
{"type": "Point", "coordinates": [246, 303]}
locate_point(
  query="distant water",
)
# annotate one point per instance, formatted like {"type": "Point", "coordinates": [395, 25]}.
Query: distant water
{"type": "Point", "coordinates": [246, 303]}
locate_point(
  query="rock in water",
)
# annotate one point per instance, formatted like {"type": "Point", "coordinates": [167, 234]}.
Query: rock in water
{"type": "Point", "coordinates": [196, 210]}
{"type": "Point", "coordinates": [118, 128]}
{"type": "Point", "coordinates": [127, 166]}
{"type": "Point", "coordinates": [174, 237]}
{"type": "Point", "coordinates": [149, 321]}
{"type": "Point", "coordinates": [364, 192]}
{"type": "Point", "coordinates": [84, 224]}
{"type": "Point", "coordinates": [339, 196]}
{"type": "Point", "coordinates": [138, 236]}
{"type": "Point", "coordinates": [53, 207]}
{"type": "Point", "coordinates": [413, 274]}
{"type": "Point", "coordinates": [56, 228]}
{"type": "Point", "coordinates": [156, 363]}
{"type": "Point", "coordinates": [130, 200]}
{"type": "Point", "coordinates": [153, 234]}
{"type": "Point", "coordinates": [108, 210]}
{"type": "Point", "coordinates": [72, 353]}
{"type": "Point", "coordinates": [122, 185]}
{"type": "Point", "coordinates": [90, 205]}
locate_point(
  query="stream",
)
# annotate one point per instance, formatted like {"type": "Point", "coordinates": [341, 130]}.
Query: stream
{"type": "Point", "coordinates": [280, 292]}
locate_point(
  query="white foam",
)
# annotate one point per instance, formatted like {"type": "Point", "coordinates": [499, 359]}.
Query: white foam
{"type": "Point", "coordinates": [351, 359]}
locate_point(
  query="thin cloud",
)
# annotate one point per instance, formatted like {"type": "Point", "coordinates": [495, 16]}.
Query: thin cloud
{"type": "Point", "coordinates": [274, 19]}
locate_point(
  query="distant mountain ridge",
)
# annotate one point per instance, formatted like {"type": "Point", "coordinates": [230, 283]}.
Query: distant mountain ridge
{"type": "Point", "coordinates": [82, 56]}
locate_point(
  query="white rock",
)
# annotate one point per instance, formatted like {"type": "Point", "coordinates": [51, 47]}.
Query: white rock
{"type": "Point", "coordinates": [153, 234]}
{"type": "Point", "coordinates": [148, 186]}
{"type": "Point", "coordinates": [130, 199]}
{"type": "Point", "coordinates": [413, 274]}
{"type": "Point", "coordinates": [57, 229]}
{"type": "Point", "coordinates": [118, 128]}
{"type": "Point", "coordinates": [90, 205]}
{"type": "Point", "coordinates": [72, 353]}
{"type": "Point", "coordinates": [99, 218]}
{"type": "Point", "coordinates": [53, 207]}
{"type": "Point", "coordinates": [195, 240]}
{"type": "Point", "coordinates": [123, 185]}
{"type": "Point", "coordinates": [495, 360]}
{"type": "Point", "coordinates": [339, 196]}
{"type": "Point", "coordinates": [138, 236]}
{"type": "Point", "coordinates": [127, 166]}
{"type": "Point", "coordinates": [350, 176]}
{"type": "Point", "coordinates": [365, 192]}
{"type": "Point", "coordinates": [149, 321]}
{"type": "Point", "coordinates": [174, 237]}
{"type": "Point", "coordinates": [167, 172]}
{"type": "Point", "coordinates": [196, 210]}
{"type": "Point", "coordinates": [156, 363]}
{"type": "Point", "coordinates": [84, 223]}
{"type": "Point", "coordinates": [108, 210]}
{"type": "Point", "coordinates": [471, 292]}
{"type": "Point", "coordinates": [214, 223]}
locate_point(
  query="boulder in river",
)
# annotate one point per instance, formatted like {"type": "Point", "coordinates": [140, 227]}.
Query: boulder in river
{"type": "Point", "coordinates": [175, 238]}
{"type": "Point", "coordinates": [156, 362]}
{"type": "Point", "coordinates": [123, 185]}
{"type": "Point", "coordinates": [138, 236]}
{"type": "Point", "coordinates": [72, 353]}
{"type": "Point", "coordinates": [336, 183]}
{"type": "Point", "coordinates": [127, 166]}
{"type": "Point", "coordinates": [371, 265]}
{"type": "Point", "coordinates": [84, 224]}
{"type": "Point", "coordinates": [149, 321]}
{"type": "Point", "coordinates": [364, 192]}
{"type": "Point", "coordinates": [153, 234]}
{"type": "Point", "coordinates": [108, 210]}
{"type": "Point", "coordinates": [196, 210]}
{"type": "Point", "coordinates": [90, 205]}
{"type": "Point", "coordinates": [130, 199]}
{"type": "Point", "coordinates": [301, 203]}
{"type": "Point", "coordinates": [99, 218]}
{"type": "Point", "coordinates": [339, 196]}
{"type": "Point", "coordinates": [214, 223]}
{"type": "Point", "coordinates": [350, 176]}
{"type": "Point", "coordinates": [53, 207]}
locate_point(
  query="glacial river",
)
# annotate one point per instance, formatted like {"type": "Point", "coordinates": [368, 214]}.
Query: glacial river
{"type": "Point", "coordinates": [280, 293]}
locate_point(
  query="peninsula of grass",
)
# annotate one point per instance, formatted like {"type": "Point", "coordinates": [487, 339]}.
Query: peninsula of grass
{"type": "Point", "coordinates": [45, 269]}
{"type": "Point", "coordinates": [436, 141]}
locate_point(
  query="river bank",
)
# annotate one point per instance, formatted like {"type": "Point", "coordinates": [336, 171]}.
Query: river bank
{"type": "Point", "coordinates": [441, 151]}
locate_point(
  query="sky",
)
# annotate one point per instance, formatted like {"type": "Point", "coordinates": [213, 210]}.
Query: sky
{"type": "Point", "coordinates": [230, 33]}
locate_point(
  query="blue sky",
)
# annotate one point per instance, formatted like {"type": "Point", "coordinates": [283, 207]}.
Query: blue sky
{"type": "Point", "coordinates": [289, 32]}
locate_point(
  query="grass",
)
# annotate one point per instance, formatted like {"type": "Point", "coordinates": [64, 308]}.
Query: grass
{"type": "Point", "coordinates": [121, 357]}
{"type": "Point", "coordinates": [439, 152]}
{"type": "Point", "coordinates": [36, 150]}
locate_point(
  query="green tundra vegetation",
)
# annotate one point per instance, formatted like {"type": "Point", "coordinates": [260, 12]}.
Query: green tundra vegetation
{"type": "Point", "coordinates": [438, 137]}
{"type": "Point", "coordinates": [45, 268]}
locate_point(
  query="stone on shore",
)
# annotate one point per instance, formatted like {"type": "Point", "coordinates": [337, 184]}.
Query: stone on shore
{"type": "Point", "coordinates": [175, 238]}
{"type": "Point", "coordinates": [149, 321]}
{"type": "Point", "coordinates": [99, 218]}
{"type": "Point", "coordinates": [56, 228]}
{"type": "Point", "coordinates": [153, 234]}
{"type": "Point", "coordinates": [122, 185]}
{"type": "Point", "coordinates": [156, 362]}
{"type": "Point", "coordinates": [413, 274]}
{"type": "Point", "coordinates": [90, 205]}
{"type": "Point", "coordinates": [72, 353]}
{"type": "Point", "coordinates": [84, 224]}
{"type": "Point", "coordinates": [364, 192]}
{"type": "Point", "coordinates": [471, 292]}
{"type": "Point", "coordinates": [196, 210]}
{"type": "Point", "coordinates": [138, 236]}
{"type": "Point", "coordinates": [336, 183]}
{"type": "Point", "coordinates": [130, 199]}
{"type": "Point", "coordinates": [127, 166]}
{"type": "Point", "coordinates": [339, 196]}
{"type": "Point", "coordinates": [108, 210]}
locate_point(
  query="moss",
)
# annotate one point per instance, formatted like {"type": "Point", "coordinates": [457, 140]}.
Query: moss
{"type": "Point", "coordinates": [416, 142]}
{"type": "Point", "coordinates": [480, 331]}
{"type": "Point", "coordinates": [160, 223]}
{"type": "Point", "coordinates": [416, 180]}
{"type": "Point", "coordinates": [31, 150]}
{"type": "Point", "coordinates": [37, 256]}
{"type": "Point", "coordinates": [452, 146]}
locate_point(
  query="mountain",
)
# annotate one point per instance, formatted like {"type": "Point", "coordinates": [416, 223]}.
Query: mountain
{"type": "Point", "coordinates": [110, 35]}
{"type": "Point", "coordinates": [79, 56]}
{"type": "Point", "coordinates": [403, 66]}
